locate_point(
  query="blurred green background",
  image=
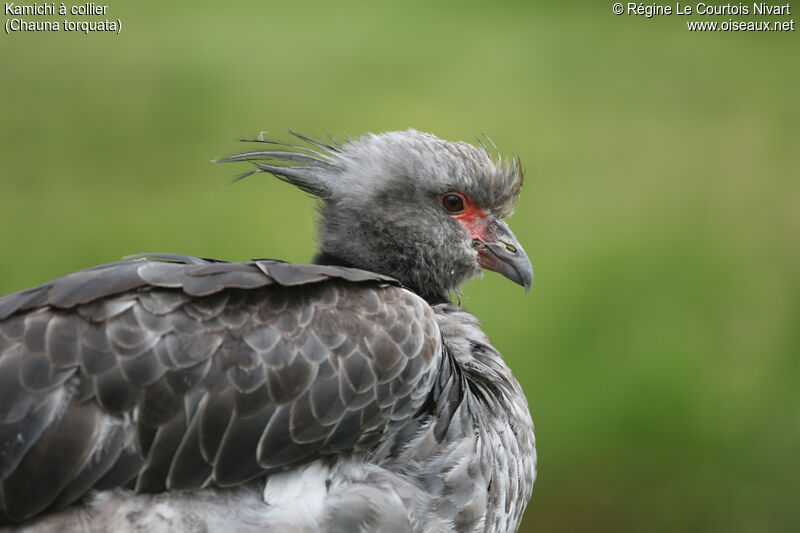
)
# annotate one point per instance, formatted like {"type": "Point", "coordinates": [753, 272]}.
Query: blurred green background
{"type": "Point", "coordinates": [660, 345]}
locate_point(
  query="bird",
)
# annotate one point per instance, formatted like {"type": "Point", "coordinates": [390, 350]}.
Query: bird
{"type": "Point", "coordinates": [354, 393]}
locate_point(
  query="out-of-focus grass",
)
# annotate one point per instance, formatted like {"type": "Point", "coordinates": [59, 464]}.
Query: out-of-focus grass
{"type": "Point", "coordinates": [659, 346]}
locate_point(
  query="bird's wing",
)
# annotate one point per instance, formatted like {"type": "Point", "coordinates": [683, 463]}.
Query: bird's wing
{"type": "Point", "coordinates": [188, 373]}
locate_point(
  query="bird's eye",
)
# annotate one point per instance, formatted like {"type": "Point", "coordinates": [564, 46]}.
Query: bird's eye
{"type": "Point", "coordinates": [452, 203]}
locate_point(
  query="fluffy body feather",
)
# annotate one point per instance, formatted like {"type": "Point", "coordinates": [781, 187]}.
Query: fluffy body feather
{"type": "Point", "coordinates": [185, 394]}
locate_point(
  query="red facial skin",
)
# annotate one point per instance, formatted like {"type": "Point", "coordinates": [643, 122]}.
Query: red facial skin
{"type": "Point", "coordinates": [497, 248]}
{"type": "Point", "coordinates": [474, 219]}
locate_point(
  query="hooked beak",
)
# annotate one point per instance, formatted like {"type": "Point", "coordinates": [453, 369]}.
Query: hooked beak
{"type": "Point", "coordinates": [500, 251]}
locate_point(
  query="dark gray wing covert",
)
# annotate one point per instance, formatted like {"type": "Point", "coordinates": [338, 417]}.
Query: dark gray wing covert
{"type": "Point", "coordinates": [187, 373]}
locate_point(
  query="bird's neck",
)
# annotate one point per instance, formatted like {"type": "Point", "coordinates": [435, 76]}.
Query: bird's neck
{"type": "Point", "coordinates": [325, 258]}
{"type": "Point", "coordinates": [433, 297]}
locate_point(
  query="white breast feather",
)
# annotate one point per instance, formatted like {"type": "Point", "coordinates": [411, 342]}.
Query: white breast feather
{"type": "Point", "coordinates": [299, 495]}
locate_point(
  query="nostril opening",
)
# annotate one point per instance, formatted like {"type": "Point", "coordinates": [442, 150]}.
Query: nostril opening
{"type": "Point", "coordinates": [511, 248]}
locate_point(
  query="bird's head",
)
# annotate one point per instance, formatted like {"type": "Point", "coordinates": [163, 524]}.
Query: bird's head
{"type": "Point", "coordinates": [407, 204]}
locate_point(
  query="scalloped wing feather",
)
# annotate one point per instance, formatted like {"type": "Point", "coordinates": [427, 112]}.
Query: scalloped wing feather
{"type": "Point", "coordinates": [184, 373]}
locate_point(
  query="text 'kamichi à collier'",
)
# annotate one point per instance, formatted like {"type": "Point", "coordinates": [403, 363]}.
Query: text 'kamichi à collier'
{"type": "Point", "coordinates": [89, 8]}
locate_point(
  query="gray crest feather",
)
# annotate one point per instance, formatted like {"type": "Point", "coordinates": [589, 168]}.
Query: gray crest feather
{"type": "Point", "coordinates": [337, 171]}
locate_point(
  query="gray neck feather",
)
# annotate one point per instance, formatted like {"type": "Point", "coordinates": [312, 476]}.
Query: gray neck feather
{"type": "Point", "coordinates": [395, 247]}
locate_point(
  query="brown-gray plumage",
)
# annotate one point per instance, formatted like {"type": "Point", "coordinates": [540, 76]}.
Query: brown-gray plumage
{"type": "Point", "coordinates": [185, 394]}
